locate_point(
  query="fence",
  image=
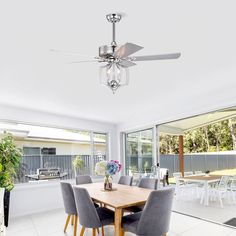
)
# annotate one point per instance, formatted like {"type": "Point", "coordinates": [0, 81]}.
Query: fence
{"type": "Point", "coordinates": [30, 164]}
{"type": "Point", "coordinates": [192, 162]}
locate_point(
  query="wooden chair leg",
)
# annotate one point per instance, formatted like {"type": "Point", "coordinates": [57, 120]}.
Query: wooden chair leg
{"type": "Point", "coordinates": [82, 231]}
{"type": "Point", "coordinates": [122, 233]}
{"type": "Point", "coordinates": [72, 220]}
{"type": "Point", "coordinates": [103, 234]}
{"type": "Point", "coordinates": [94, 231]}
{"type": "Point", "coordinates": [75, 225]}
{"type": "Point", "coordinates": [67, 222]}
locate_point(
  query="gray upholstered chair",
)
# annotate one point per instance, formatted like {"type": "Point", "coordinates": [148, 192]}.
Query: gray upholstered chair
{"type": "Point", "coordinates": [154, 220]}
{"type": "Point", "coordinates": [143, 183]}
{"type": "Point", "coordinates": [126, 180]}
{"type": "Point", "coordinates": [69, 205]}
{"type": "Point", "coordinates": [83, 179]}
{"type": "Point", "coordinates": [89, 216]}
{"type": "Point", "coordinates": [147, 183]}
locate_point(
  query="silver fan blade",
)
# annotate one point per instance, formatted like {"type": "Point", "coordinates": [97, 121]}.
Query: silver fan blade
{"type": "Point", "coordinates": [72, 53]}
{"type": "Point", "coordinates": [125, 63]}
{"type": "Point", "coordinates": [126, 50]}
{"type": "Point", "coordinates": [156, 57]}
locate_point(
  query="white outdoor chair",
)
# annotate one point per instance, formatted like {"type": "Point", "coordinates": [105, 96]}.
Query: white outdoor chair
{"type": "Point", "coordinates": [233, 189]}
{"type": "Point", "coordinates": [188, 173]}
{"type": "Point", "coordinates": [184, 189]}
{"type": "Point", "coordinates": [219, 191]}
{"type": "Point", "coordinates": [198, 172]}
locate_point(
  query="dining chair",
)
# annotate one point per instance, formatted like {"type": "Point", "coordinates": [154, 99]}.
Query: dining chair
{"type": "Point", "coordinates": [188, 173]}
{"type": "Point", "coordinates": [143, 183]}
{"type": "Point", "coordinates": [154, 220]}
{"type": "Point", "coordinates": [126, 180]}
{"type": "Point", "coordinates": [89, 216]}
{"type": "Point", "coordinates": [150, 183]}
{"type": "Point", "coordinates": [220, 190]}
{"type": "Point", "coordinates": [233, 188]}
{"type": "Point", "coordinates": [69, 205]}
{"type": "Point", "coordinates": [185, 189]}
{"type": "Point", "coordinates": [83, 179]}
{"type": "Point", "coordinates": [198, 172]}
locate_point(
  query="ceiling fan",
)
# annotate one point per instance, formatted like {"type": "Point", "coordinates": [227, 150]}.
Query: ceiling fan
{"type": "Point", "coordinates": [118, 59]}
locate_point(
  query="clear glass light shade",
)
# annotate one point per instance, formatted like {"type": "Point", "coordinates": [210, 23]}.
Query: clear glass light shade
{"type": "Point", "coordinates": [114, 76]}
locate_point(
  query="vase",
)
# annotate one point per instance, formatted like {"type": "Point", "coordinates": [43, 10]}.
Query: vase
{"type": "Point", "coordinates": [108, 183]}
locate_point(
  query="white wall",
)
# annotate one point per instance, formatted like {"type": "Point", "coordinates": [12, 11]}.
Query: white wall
{"type": "Point", "coordinates": [26, 199]}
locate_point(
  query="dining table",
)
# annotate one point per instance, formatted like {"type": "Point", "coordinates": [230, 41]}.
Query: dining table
{"type": "Point", "coordinates": [206, 180]}
{"type": "Point", "coordinates": [121, 197]}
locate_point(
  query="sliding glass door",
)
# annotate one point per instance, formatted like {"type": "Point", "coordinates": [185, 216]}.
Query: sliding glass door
{"type": "Point", "coordinates": [139, 151]}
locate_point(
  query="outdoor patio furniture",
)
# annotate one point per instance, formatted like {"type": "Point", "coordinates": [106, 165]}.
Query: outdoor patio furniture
{"type": "Point", "coordinates": [233, 189]}
{"type": "Point", "coordinates": [188, 173]}
{"type": "Point", "coordinates": [220, 190]}
{"type": "Point", "coordinates": [184, 189]}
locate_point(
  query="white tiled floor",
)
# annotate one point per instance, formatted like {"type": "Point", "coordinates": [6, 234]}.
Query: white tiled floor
{"type": "Point", "coordinates": [51, 224]}
{"type": "Point", "coordinates": [213, 212]}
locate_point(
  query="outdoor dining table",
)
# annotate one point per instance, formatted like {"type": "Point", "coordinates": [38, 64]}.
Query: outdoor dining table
{"type": "Point", "coordinates": [121, 197]}
{"type": "Point", "coordinates": [206, 180]}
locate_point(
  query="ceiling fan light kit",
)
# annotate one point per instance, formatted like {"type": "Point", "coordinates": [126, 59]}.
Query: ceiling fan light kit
{"type": "Point", "coordinates": [118, 59]}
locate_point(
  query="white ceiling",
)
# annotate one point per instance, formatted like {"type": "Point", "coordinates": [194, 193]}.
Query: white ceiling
{"type": "Point", "coordinates": [33, 77]}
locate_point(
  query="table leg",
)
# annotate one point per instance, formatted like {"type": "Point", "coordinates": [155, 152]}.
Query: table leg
{"type": "Point", "coordinates": [118, 216]}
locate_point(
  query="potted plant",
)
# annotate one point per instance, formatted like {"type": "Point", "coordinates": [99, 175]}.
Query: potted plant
{"type": "Point", "coordinates": [10, 157]}
{"type": "Point", "coordinates": [78, 165]}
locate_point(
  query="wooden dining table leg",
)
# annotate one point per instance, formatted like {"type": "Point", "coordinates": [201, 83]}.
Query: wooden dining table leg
{"type": "Point", "coordinates": [118, 217]}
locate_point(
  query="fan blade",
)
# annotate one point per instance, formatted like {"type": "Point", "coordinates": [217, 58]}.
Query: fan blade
{"type": "Point", "coordinates": [157, 57]}
{"type": "Point", "coordinates": [126, 50]}
{"type": "Point", "coordinates": [125, 63]}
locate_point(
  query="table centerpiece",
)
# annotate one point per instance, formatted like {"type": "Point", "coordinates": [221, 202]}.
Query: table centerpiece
{"type": "Point", "coordinates": [107, 169]}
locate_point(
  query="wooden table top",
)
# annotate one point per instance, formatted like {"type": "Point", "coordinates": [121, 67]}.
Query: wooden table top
{"type": "Point", "coordinates": [124, 196]}
{"type": "Point", "coordinates": [202, 177]}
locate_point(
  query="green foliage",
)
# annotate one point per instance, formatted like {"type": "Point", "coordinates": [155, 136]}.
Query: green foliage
{"type": "Point", "coordinates": [78, 163]}
{"type": "Point", "coordinates": [220, 136]}
{"type": "Point", "coordinates": [10, 157]}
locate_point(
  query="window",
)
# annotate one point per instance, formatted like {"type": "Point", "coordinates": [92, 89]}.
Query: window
{"type": "Point", "coordinates": [53, 148]}
{"type": "Point", "coordinates": [139, 151]}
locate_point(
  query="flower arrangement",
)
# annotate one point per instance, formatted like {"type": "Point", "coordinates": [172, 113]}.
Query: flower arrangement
{"type": "Point", "coordinates": [107, 168]}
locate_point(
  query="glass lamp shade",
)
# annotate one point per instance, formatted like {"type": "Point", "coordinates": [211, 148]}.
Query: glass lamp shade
{"type": "Point", "coordinates": [114, 76]}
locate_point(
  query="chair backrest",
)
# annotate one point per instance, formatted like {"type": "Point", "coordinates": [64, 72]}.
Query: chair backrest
{"type": "Point", "coordinates": [126, 180]}
{"type": "Point", "coordinates": [147, 183]}
{"type": "Point", "coordinates": [83, 179]}
{"type": "Point", "coordinates": [223, 184]}
{"type": "Point", "coordinates": [68, 198]}
{"type": "Point", "coordinates": [155, 218]}
{"type": "Point", "coordinates": [188, 173]}
{"type": "Point", "coordinates": [233, 183]}
{"type": "Point", "coordinates": [198, 172]}
{"type": "Point", "coordinates": [177, 175]}
{"type": "Point", "coordinates": [88, 216]}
